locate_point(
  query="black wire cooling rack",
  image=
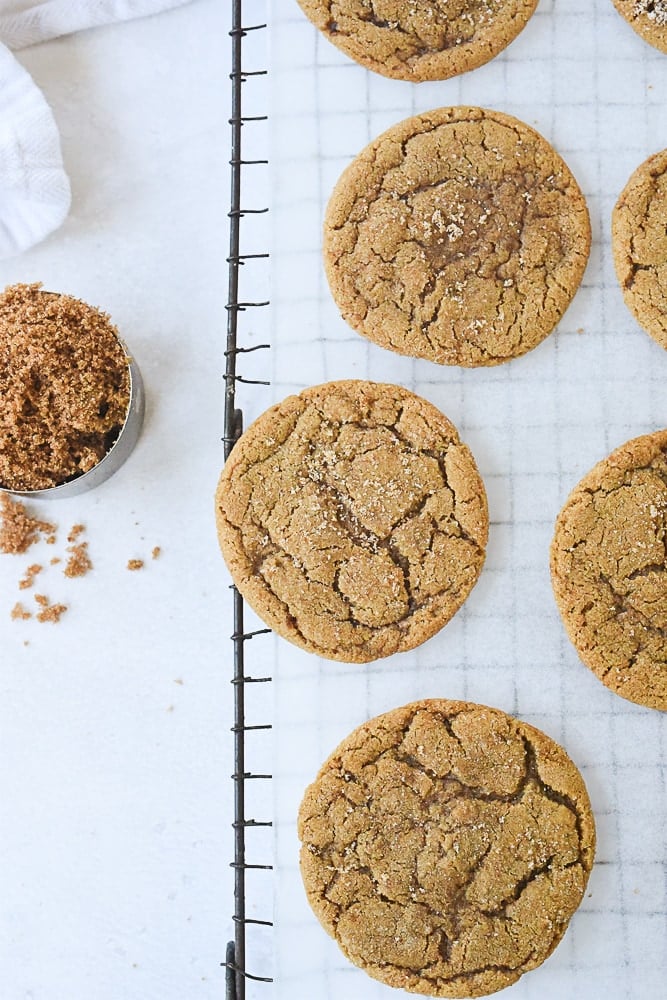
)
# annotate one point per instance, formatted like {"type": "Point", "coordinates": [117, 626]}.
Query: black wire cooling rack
{"type": "Point", "coordinates": [235, 960]}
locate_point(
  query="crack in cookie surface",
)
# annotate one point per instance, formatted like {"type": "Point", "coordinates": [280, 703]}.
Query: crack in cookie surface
{"type": "Point", "coordinates": [459, 236]}
{"type": "Point", "coordinates": [353, 519]}
{"type": "Point", "coordinates": [420, 40]}
{"type": "Point", "coordinates": [446, 864]}
{"type": "Point", "coordinates": [609, 569]}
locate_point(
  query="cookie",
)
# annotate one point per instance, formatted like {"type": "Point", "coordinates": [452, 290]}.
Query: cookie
{"type": "Point", "coordinates": [420, 39]}
{"type": "Point", "coordinates": [459, 236]}
{"type": "Point", "coordinates": [609, 569]}
{"type": "Point", "coordinates": [639, 243]}
{"type": "Point", "coordinates": [648, 18]}
{"type": "Point", "coordinates": [445, 846]}
{"type": "Point", "coordinates": [352, 519]}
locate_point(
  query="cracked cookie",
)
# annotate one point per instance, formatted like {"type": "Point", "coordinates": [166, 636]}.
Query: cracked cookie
{"type": "Point", "coordinates": [648, 18]}
{"type": "Point", "coordinates": [417, 40]}
{"type": "Point", "coordinates": [352, 519]}
{"type": "Point", "coordinates": [445, 846]}
{"type": "Point", "coordinates": [639, 243]}
{"type": "Point", "coordinates": [459, 236]}
{"type": "Point", "coordinates": [609, 569]}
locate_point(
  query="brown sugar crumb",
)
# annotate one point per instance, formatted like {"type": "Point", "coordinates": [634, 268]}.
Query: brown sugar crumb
{"type": "Point", "coordinates": [51, 540]}
{"type": "Point", "coordinates": [18, 529]}
{"type": "Point", "coordinates": [135, 564]}
{"type": "Point", "coordinates": [79, 562]}
{"type": "Point", "coordinates": [65, 386]}
{"type": "Point", "coordinates": [19, 613]}
{"type": "Point", "coordinates": [55, 560]}
{"type": "Point", "coordinates": [75, 531]}
{"type": "Point", "coordinates": [30, 575]}
{"type": "Point", "coordinates": [156, 553]}
{"type": "Point", "coordinates": [49, 612]}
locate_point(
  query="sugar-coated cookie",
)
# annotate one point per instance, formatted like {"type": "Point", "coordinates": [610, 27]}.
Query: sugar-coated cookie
{"type": "Point", "coordinates": [420, 40]}
{"type": "Point", "coordinates": [459, 235]}
{"type": "Point", "coordinates": [353, 519]}
{"type": "Point", "coordinates": [639, 243]}
{"type": "Point", "coordinates": [445, 846]}
{"type": "Point", "coordinates": [609, 569]}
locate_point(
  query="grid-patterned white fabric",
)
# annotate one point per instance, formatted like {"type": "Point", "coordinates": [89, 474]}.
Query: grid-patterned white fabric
{"type": "Point", "coordinates": [590, 85]}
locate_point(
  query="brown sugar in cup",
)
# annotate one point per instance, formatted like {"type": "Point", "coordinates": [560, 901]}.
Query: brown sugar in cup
{"type": "Point", "coordinates": [445, 847]}
{"type": "Point", "coordinates": [68, 390]}
{"type": "Point", "coordinates": [353, 519]}
{"type": "Point", "coordinates": [458, 235]}
{"type": "Point", "coordinates": [417, 40]}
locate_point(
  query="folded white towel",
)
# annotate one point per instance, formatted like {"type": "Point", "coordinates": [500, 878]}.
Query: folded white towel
{"type": "Point", "coordinates": [34, 188]}
{"type": "Point", "coordinates": [23, 23]}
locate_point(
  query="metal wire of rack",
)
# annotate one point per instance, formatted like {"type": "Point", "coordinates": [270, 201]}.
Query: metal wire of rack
{"type": "Point", "coordinates": [235, 957]}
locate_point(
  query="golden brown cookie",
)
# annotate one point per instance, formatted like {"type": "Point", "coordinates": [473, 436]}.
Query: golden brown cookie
{"type": "Point", "coordinates": [420, 39]}
{"type": "Point", "coordinates": [648, 18]}
{"type": "Point", "coordinates": [639, 242]}
{"type": "Point", "coordinates": [609, 569]}
{"type": "Point", "coordinates": [445, 846]}
{"type": "Point", "coordinates": [459, 236]}
{"type": "Point", "coordinates": [352, 519]}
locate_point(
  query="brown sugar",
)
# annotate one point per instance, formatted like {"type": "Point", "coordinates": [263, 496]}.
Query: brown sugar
{"type": "Point", "coordinates": [19, 613]}
{"type": "Point", "coordinates": [156, 553]}
{"type": "Point", "coordinates": [79, 562]}
{"type": "Point", "coordinates": [64, 387]}
{"type": "Point", "coordinates": [50, 612]}
{"type": "Point", "coordinates": [134, 564]}
{"type": "Point", "coordinates": [18, 529]}
{"type": "Point", "coordinates": [75, 531]}
{"type": "Point", "coordinates": [30, 575]}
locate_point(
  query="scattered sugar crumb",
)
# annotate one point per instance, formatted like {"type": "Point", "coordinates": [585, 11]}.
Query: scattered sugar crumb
{"type": "Point", "coordinates": [19, 529]}
{"type": "Point", "coordinates": [49, 612]}
{"type": "Point", "coordinates": [75, 531]}
{"type": "Point", "coordinates": [79, 562]}
{"type": "Point", "coordinates": [157, 551]}
{"type": "Point", "coordinates": [178, 680]}
{"type": "Point", "coordinates": [135, 564]}
{"type": "Point", "coordinates": [55, 561]}
{"type": "Point", "coordinates": [51, 540]}
{"type": "Point", "coordinates": [30, 575]}
{"type": "Point", "coordinates": [19, 613]}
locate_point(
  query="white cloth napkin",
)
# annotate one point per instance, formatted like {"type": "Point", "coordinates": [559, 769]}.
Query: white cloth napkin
{"type": "Point", "coordinates": [34, 187]}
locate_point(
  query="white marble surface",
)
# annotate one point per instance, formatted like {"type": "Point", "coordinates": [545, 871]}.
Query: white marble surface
{"type": "Point", "coordinates": [114, 724]}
